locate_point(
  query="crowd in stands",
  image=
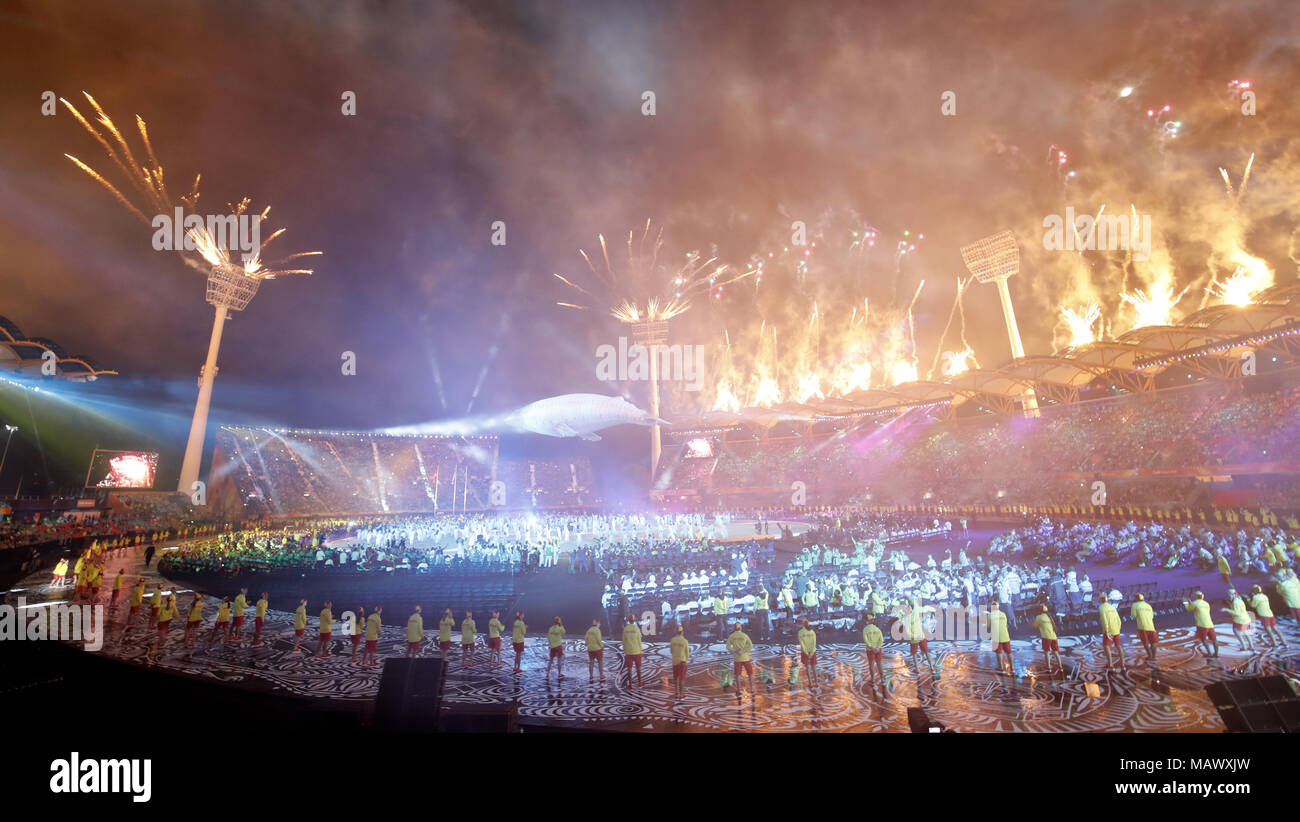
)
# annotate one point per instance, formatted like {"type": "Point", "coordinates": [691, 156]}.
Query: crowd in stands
{"type": "Point", "coordinates": [1030, 460]}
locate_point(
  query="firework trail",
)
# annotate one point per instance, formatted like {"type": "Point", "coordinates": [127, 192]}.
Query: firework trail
{"type": "Point", "coordinates": [147, 183]}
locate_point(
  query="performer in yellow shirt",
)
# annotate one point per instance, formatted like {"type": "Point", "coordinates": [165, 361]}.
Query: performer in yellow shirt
{"type": "Point", "coordinates": [1110, 630]}
{"type": "Point", "coordinates": [445, 626]}
{"type": "Point", "coordinates": [808, 650]}
{"type": "Point", "coordinates": [555, 639]}
{"type": "Point", "coordinates": [358, 628]}
{"type": "Point", "coordinates": [740, 645]}
{"type": "Point", "coordinates": [518, 634]}
{"type": "Point", "coordinates": [681, 651]}
{"type": "Point", "coordinates": [1241, 626]}
{"type": "Point", "coordinates": [1047, 635]}
{"type": "Point", "coordinates": [299, 625]}
{"type": "Point", "coordinates": [874, 640]}
{"type": "Point", "coordinates": [137, 597]}
{"type": "Point", "coordinates": [1204, 624]}
{"type": "Point", "coordinates": [374, 623]}
{"type": "Point", "coordinates": [1144, 620]}
{"type": "Point", "coordinates": [1264, 610]}
{"type": "Point", "coordinates": [495, 627]}
{"type": "Point", "coordinates": [468, 638]}
{"type": "Point", "coordinates": [117, 586]}
{"type": "Point", "coordinates": [595, 650]}
{"type": "Point", "coordinates": [221, 628]}
{"type": "Point", "coordinates": [996, 620]}
{"type": "Point", "coordinates": [195, 619]}
{"type": "Point", "coordinates": [632, 650]}
{"type": "Point", "coordinates": [414, 633]}
{"type": "Point", "coordinates": [237, 615]}
{"type": "Point", "coordinates": [326, 630]}
{"type": "Point", "coordinates": [259, 618]}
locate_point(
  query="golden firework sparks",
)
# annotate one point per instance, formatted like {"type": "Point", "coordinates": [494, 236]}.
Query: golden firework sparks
{"type": "Point", "coordinates": [1081, 323]}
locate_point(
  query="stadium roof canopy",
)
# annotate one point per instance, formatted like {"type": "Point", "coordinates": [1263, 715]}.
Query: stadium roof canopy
{"type": "Point", "coordinates": [28, 355]}
{"type": "Point", "coordinates": [1210, 342]}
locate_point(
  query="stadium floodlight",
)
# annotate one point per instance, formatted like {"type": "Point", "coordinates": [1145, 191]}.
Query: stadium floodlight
{"type": "Point", "coordinates": [993, 260]}
{"type": "Point", "coordinates": [229, 289]}
{"type": "Point", "coordinates": [652, 334]}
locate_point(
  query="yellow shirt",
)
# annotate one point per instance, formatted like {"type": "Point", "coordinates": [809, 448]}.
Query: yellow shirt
{"type": "Point", "coordinates": [261, 608]}
{"type": "Point", "coordinates": [415, 628]}
{"type": "Point", "coordinates": [1289, 588]}
{"type": "Point", "coordinates": [137, 595]}
{"type": "Point", "coordinates": [357, 627]}
{"type": "Point", "coordinates": [1261, 605]}
{"type": "Point", "coordinates": [632, 639]}
{"type": "Point", "coordinates": [300, 618]}
{"type": "Point", "coordinates": [223, 612]}
{"type": "Point", "coordinates": [997, 622]}
{"type": "Point", "coordinates": [872, 637]}
{"type": "Point", "coordinates": [326, 621]}
{"type": "Point", "coordinates": [808, 641]}
{"type": "Point", "coordinates": [519, 630]}
{"type": "Point", "coordinates": [1110, 622]}
{"type": "Point", "coordinates": [467, 630]}
{"type": "Point", "coordinates": [1201, 610]}
{"type": "Point", "coordinates": [117, 583]}
{"type": "Point", "coordinates": [740, 645]}
{"type": "Point", "coordinates": [495, 628]}
{"type": "Point", "coordinates": [681, 649]}
{"type": "Point", "coordinates": [166, 612]}
{"type": "Point", "coordinates": [1143, 616]}
{"type": "Point", "coordinates": [373, 624]}
{"type": "Point", "coordinates": [555, 636]}
{"type": "Point", "coordinates": [594, 640]}
{"type": "Point", "coordinates": [445, 627]}
{"type": "Point", "coordinates": [1046, 630]}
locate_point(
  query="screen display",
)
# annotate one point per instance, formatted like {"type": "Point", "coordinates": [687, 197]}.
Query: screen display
{"type": "Point", "coordinates": [698, 448]}
{"type": "Point", "coordinates": [122, 469]}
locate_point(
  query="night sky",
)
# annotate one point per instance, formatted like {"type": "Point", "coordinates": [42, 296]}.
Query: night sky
{"type": "Point", "coordinates": [531, 114]}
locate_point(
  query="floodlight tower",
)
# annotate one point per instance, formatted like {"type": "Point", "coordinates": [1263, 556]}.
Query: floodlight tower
{"type": "Point", "coordinates": [230, 288]}
{"type": "Point", "coordinates": [652, 334]}
{"type": "Point", "coordinates": [994, 259]}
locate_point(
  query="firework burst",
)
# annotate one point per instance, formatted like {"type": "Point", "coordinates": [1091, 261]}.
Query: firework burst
{"type": "Point", "coordinates": [1081, 323]}
{"type": "Point", "coordinates": [146, 193]}
{"type": "Point", "coordinates": [646, 289]}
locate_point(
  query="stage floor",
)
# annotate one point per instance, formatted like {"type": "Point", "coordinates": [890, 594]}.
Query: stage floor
{"type": "Point", "coordinates": [968, 694]}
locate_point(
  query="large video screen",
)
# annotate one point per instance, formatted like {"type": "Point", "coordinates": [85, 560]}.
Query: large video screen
{"type": "Point", "coordinates": [122, 469]}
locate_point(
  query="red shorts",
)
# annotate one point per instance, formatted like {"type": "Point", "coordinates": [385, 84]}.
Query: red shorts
{"type": "Point", "coordinates": [239, 622]}
{"type": "Point", "coordinates": [1295, 612]}
{"type": "Point", "coordinates": [1004, 647]}
{"type": "Point", "coordinates": [116, 592]}
{"type": "Point", "coordinates": [444, 646]}
{"type": "Point", "coordinates": [596, 654]}
{"type": "Point", "coordinates": [1268, 622]}
{"type": "Point", "coordinates": [94, 592]}
{"type": "Point", "coordinates": [257, 623]}
{"type": "Point", "coordinates": [806, 659]}
{"type": "Point", "coordinates": [634, 659]}
{"type": "Point", "coordinates": [1110, 639]}
{"type": "Point", "coordinates": [1227, 580]}
{"type": "Point", "coordinates": [876, 654]}
{"type": "Point", "coordinates": [356, 640]}
{"type": "Point", "coordinates": [494, 642]}
{"type": "Point", "coordinates": [923, 644]}
{"type": "Point", "coordinates": [679, 670]}
{"type": "Point", "coordinates": [519, 647]}
{"type": "Point", "coordinates": [1051, 645]}
{"type": "Point", "coordinates": [410, 646]}
{"type": "Point", "coordinates": [467, 646]}
{"type": "Point", "coordinates": [372, 645]}
{"type": "Point", "coordinates": [325, 637]}
{"type": "Point", "coordinates": [745, 667]}
{"type": "Point", "coordinates": [192, 624]}
{"type": "Point", "coordinates": [135, 609]}
{"type": "Point", "coordinates": [558, 650]}
{"type": "Point", "coordinates": [1147, 636]}
{"type": "Point", "coordinates": [299, 631]}
{"type": "Point", "coordinates": [1206, 633]}
{"type": "Point", "coordinates": [163, 626]}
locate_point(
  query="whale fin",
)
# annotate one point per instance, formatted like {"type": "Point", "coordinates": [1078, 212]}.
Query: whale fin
{"type": "Point", "coordinates": [563, 429]}
{"type": "Point", "coordinates": [590, 437]}
{"type": "Point", "coordinates": [649, 420]}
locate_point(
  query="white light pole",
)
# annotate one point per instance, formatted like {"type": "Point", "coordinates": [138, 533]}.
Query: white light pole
{"type": "Point", "coordinates": [230, 288]}
{"type": "Point", "coordinates": [995, 259]}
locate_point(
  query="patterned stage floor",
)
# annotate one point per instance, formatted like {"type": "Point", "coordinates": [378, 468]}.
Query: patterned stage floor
{"type": "Point", "coordinates": [968, 693]}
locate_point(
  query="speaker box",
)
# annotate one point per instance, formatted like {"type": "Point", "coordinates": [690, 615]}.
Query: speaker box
{"type": "Point", "coordinates": [481, 719]}
{"type": "Point", "coordinates": [410, 695]}
{"type": "Point", "coordinates": [1257, 705]}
